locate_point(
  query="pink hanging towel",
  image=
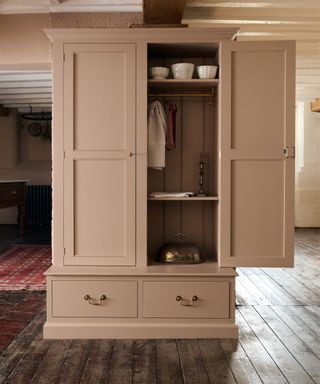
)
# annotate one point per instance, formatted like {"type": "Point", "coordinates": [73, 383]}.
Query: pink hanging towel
{"type": "Point", "coordinates": [171, 127]}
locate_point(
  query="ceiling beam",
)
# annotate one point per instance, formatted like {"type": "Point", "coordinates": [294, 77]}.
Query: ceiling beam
{"type": "Point", "coordinates": [27, 96]}
{"type": "Point", "coordinates": [26, 101]}
{"type": "Point", "coordinates": [25, 84]}
{"type": "Point", "coordinates": [65, 6]}
{"type": "Point", "coordinates": [282, 14]}
{"type": "Point", "coordinates": [27, 106]}
{"type": "Point", "coordinates": [24, 76]}
{"type": "Point", "coordinates": [21, 91]}
{"type": "Point", "coordinates": [289, 4]}
{"type": "Point", "coordinates": [163, 11]}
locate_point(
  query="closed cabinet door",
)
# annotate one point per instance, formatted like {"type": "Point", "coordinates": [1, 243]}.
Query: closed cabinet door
{"type": "Point", "coordinates": [99, 147]}
{"type": "Point", "coordinates": [257, 154]}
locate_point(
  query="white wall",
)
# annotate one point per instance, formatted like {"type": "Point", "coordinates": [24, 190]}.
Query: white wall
{"type": "Point", "coordinates": [307, 202]}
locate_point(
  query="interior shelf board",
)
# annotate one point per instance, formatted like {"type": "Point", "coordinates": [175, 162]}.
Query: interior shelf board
{"type": "Point", "coordinates": [210, 83]}
{"type": "Point", "coordinates": [208, 268]}
{"type": "Point", "coordinates": [192, 198]}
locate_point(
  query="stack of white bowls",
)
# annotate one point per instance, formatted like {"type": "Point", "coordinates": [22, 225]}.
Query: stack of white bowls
{"type": "Point", "coordinates": [184, 71]}
{"type": "Point", "coordinates": [207, 71]}
{"type": "Point", "coordinates": [159, 73]}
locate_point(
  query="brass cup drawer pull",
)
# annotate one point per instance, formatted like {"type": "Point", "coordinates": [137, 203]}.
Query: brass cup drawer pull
{"type": "Point", "coordinates": [187, 303]}
{"type": "Point", "coordinates": [94, 301]}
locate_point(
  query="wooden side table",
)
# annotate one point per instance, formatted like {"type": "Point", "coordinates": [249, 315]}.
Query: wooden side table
{"type": "Point", "coordinates": [13, 193]}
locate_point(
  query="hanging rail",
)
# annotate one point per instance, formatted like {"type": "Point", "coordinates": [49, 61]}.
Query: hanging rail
{"type": "Point", "coordinates": [181, 94]}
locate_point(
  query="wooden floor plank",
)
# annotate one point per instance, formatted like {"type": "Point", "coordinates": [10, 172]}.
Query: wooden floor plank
{"type": "Point", "coordinates": [50, 366]}
{"type": "Point", "coordinates": [310, 320]}
{"type": "Point", "coordinates": [292, 286]}
{"type": "Point", "coordinates": [239, 363]}
{"type": "Point", "coordinates": [308, 261]}
{"type": "Point", "coordinates": [16, 350]}
{"type": "Point", "coordinates": [74, 362]}
{"type": "Point", "coordinates": [272, 290]}
{"type": "Point", "coordinates": [97, 366]}
{"type": "Point", "coordinates": [144, 362]}
{"type": "Point", "coordinates": [304, 355]}
{"type": "Point", "coordinates": [264, 365]}
{"type": "Point", "coordinates": [286, 362]}
{"type": "Point", "coordinates": [314, 309]}
{"type": "Point", "coordinates": [307, 277]}
{"type": "Point", "coordinates": [243, 296]}
{"type": "Point", "coordinates": [192, 366]}
{"type": "Point", "coordinates": [168, 362]}
{"type": "Point", "coordinates": [121, 363]}
{"type": "Point", "coordinates": [215, 363]}
{"type": "Point", "coordinates": [252, 288]}
{"type": "Point", "coordinates": [309, 337]}
{"type": "Point", "coordinates": [29, 363]}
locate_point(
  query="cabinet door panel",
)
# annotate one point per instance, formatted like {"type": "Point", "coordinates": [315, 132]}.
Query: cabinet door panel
{"type": "Point", "coordinates": [99, 135]}
{"type": "Point", "coordinates": [256, 199]}
{"type": "Point", "coordinates": [257, 177]}
{"type": "Point", "coordinates": [263, 128]}
{"type": "Point", "coordinates": [100, 100]}
{"type": "Point", "coordinates": [100, 208]}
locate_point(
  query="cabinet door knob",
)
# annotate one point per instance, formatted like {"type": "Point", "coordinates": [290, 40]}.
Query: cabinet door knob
{"type": "Point", "coordinates": [95, 301]}
{"type": "Point", "coordinates": [131, 154]}
{"type": "Point", "coordinates": [187, 303]}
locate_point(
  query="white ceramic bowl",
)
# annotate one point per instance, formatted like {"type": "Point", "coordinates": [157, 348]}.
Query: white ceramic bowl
{"type": "Point", "coordinates": [182, 70]}
{"type": "Point", "coordinates": [159, 73]}
{"type": "Point", "coordinates": [207, 71]}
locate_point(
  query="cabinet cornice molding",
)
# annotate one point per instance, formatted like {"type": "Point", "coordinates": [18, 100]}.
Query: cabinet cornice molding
{"type": "Point", "coordinates": [143, 34]}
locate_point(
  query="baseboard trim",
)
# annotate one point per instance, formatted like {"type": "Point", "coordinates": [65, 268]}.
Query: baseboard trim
{"type": "Point", "coordinates": [139, 331]}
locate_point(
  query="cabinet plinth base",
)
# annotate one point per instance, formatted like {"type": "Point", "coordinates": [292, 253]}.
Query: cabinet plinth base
{"type": "Point", "coordinates": [138, 331]}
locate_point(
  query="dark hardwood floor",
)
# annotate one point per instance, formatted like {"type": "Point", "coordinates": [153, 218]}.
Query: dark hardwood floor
{"type": "Point", "coordinates": [278, 313]}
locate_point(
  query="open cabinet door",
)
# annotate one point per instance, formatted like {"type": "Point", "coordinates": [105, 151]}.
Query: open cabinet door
{"type": "Point", "coordinates": [257, 99]}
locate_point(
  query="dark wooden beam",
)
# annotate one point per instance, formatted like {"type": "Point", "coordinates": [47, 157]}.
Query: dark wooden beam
{"type": "Point", "coordinates": [163, 12]}
{"type": "Point", "coordinates": [3, 111]}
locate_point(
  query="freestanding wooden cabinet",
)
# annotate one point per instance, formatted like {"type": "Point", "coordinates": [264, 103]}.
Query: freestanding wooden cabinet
{"type": "Point", "coordinates": [105, 281]}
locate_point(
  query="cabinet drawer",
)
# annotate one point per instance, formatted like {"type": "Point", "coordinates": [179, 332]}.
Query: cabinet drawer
{"type": "Point", "coordinates": [174, 299]}
{"type": "Point", "coordinates": [69, 298]}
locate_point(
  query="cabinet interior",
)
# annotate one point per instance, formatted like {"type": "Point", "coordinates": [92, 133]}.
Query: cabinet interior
{"type": "Point", "coordinates": [196, 134]}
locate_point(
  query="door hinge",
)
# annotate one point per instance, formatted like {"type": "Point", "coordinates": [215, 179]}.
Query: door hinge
{"type": "Point", "coordinates": [64, 251]}
{"type": "Point", "coordinates": [286, 152]}
{"type": "Point", "coordinates": [64, 57]}
{"type": "Point", "coordinates": [64, 154]}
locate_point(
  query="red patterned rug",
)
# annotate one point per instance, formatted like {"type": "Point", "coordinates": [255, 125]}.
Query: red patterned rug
{"type": "Point", "coordinates": [22, 267]}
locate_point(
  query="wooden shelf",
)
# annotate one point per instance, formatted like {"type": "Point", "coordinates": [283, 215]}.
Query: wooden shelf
{"type": "Point", "coordinates": [207, 268]}
{"type": "Point", "coordinates": [172, 83]}
{"type": "Point", "coordinates": [193, 198]}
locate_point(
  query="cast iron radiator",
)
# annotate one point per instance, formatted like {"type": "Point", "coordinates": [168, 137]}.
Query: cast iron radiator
{"type": "Point", "coordinates": [39, 205]}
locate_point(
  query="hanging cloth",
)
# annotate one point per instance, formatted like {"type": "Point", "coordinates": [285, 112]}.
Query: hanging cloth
{"type": "Point", "coordinates": [171, 127]}
{"type": "Point", "coordinates": [156, 135]}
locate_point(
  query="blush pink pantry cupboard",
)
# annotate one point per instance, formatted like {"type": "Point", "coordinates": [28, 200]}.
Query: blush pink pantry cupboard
{"type": "Point", "coordinates": [105, 281]}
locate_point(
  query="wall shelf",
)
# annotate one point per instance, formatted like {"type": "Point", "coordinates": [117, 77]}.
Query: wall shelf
{"type": "Point", "coordinates": [180, 88]}
{"type": "Point", "coordinates": [207, 83]}
{"type": "Point", "coordinates": [193, 198]}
